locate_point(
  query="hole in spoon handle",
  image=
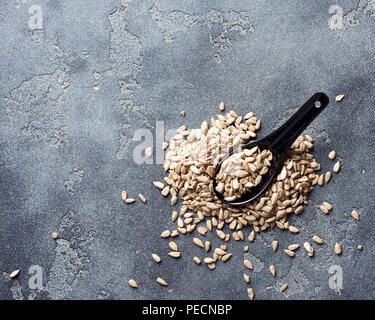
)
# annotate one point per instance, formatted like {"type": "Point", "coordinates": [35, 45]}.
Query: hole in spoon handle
{"type": "Point", "coordinates": [282, 138]}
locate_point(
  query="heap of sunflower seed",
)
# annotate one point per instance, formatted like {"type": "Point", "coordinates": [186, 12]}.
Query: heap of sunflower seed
{"type": "Point", "coordinates": [191, 161]}
{"type": "Point", "coordinates": [242, 171]}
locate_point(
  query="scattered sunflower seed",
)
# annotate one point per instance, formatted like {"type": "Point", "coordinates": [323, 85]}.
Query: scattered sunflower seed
{"type": "Point", "coordinates": [221, 106]}
{"type": "Point", "coordinates": [226, 257]}
{"type": "Point", "coordinates": [14, 273]}
{"type": "Point", "coordinates": [332, 155]}
{"type": "Point", "coordinates": [165, 234]}
{"type": "Point", "coordinates": [339, 97]}
{"type": "Point", "coordinates": [317, 239]}
{"type": "Point", "coordinates": [207, 246]}
{"type": "Point", "coordinates": [273, 270]}
{"type": "Point", "coordinates": [360, 247]}
{"type": "Point", "coordinates": [123, 195]}
{"type": "Point", "coordinates": [274, 245]}
{"type": "Point", "coordinates": [161, 281]}
{"type": "Point", "coordinates": [309, 249]}
{"type": "Point", "coordinates": [247, 263]}
{"type": "Point", "coordinates": [159, 185]}
{"type": "Point", "coordinates": [198, 242]}
{"type": "Point", "coordinates": [197, 260]}
{"type": "Point", "coordinates": [173, 246]}
{"type": "Point", "coordinates": [336, 167]}
{"type": "Point", "coordinates": [355, 214]}
{"type": "Point", "coordinates": [130, 200]}
{"type": "Point", "coordinates": [337, 248]}
{"type": "Point", "coordinates": [289, 253]}
{"type": "Point", "coordinates": [293, 229]}
{"type": "Point", "coordinates": [54, 235]}
{"type": "Point", "coordinates": [246, 278]}
{"type": "Point", "coordinates": [283, 287]}
{"type": "Point", "coordinates": [142, 197]}
{"type": "Point", "coordinates": [148, 152]}
{"type": "Point", "coordinates": [133, 283]}
{"type": "Point", "coordinates": [293, 247]}
{"type": "Point", "coordinates": [156, 258]}
{"type": "Point", "coordinates": [174, 254]}
{"type": "Point", "coordinates": [252, 236]}
{"type": "Point", "coordinates": [250, 293]}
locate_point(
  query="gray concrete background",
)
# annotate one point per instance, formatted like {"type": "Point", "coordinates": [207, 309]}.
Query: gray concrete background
{"type": "Point", "coordinates": [73, 93]}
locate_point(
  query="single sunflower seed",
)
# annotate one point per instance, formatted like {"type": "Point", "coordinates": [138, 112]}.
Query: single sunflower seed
{"type": "Point", "coordinates": [156, 258]}
{"type": "Point", "coordinates": [355, 214]}
{"type": "Point", "coordinates": [133, 283]}
{"type": "Point", "coordinates": [247, 263]}
{"type": "Point", "coordinates": [337, 248]}
{"type": "Point", "coordinates": [161, 281]}
{"type": "Point", "coordinates": [273, 270]}
{"type": "Point", "coordinates": [283, 287]}
{"type": "Point", "coordinates": [14, 273]}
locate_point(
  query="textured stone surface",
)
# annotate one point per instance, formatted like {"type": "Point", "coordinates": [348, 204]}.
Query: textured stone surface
{"type": "Point", "coordinates": [73, 93]}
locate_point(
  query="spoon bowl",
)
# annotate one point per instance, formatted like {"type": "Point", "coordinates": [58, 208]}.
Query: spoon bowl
{"type": "Point", "coordinates": [278, 142]}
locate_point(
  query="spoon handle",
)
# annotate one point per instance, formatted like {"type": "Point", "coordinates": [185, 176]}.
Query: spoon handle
{"type": "Point", "coordinates": [283, 138]}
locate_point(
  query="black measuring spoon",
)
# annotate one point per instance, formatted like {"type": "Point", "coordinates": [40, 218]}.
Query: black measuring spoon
{"type": "Point", "coordinates": [278, 142]}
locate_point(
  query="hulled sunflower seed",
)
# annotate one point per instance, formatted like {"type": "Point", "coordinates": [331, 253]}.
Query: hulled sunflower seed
{"type": "Point", "coordinates": [309, 249]}
{"type": "Point", "coordinates": [54, 235]}
{"type": "Point", "coordinates": [250, 293]}
{"type": "Point", "coordinates": [174, 216]}
{"type": "Point", "coordinates": [130, 200]}
{"type": "Point", "coordinates": [156, 258]}
{"type": "Point", "coordinates": [226, 257]}
{"type": "Point", "coordinates": [221, 106]}
{"type": "Point", "coordinates": [208, 260]}
{"type": "Point", "coordinates": [339, 97]}
{"type": "Point", "coordinates": [246, 278]}
{"type": "Point", "coordinates": [161, 281]}
{"type": "Point", "coordinates": [293, 229]}
{"type": "Point", "coordinates": [198, 242]}
{"type": "Point", "coordinates": [133, 283]}
{"type": "Point", "coordinates": [197, 260]}
{"type": "Point", "coordinates": [142, 197]}
{"type": "Point", "coordinates": [148, 152]}
{"type": "Point", "coordinates": [336, 167]}
{"type": "Point", "coordinates": [274, 245]}
{"type": "Point", "coordinates": [252, 236]}
{"type": "Point", "coordinates": [273, 270]}
{"type": "Point", "coordinates": [327, 176]}
{"type": "Point", "coordinates": [317, 239]}
{"type": "Point", "coordinates": [289, 253]}
{"type": "Point", "coordinates": [332, 155]}
{"type": "Point", "coordinates": [165, 234]}
{"type": "Point", "coordinates": [173, 246]}
{"type": "Point", "coordinates": [14, 273]}
{"type": "Point", "coordinates": [293, 247]}
{"type": "Point", "coordinates": [207, 246]}
{"type": "Point", "coordinates": [324, 209]}
{"type": "Point", "coordinates": [283, 287]}
{"type": "Point", "coordinates": [327, 205]}
{"type": "Point", "coordinates": [174, 254]}
{"type": "Point", "coordinates": [355, 214]}
{"type": "Point", "coordinates": [247, 263]}
{"type": "Point", "coordinates": [123, 195]}
{"type": "Point", "coordinates": [158, 185]}
{"type": "Point", "coordinates": [337, 248]}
